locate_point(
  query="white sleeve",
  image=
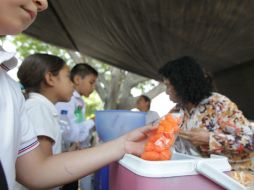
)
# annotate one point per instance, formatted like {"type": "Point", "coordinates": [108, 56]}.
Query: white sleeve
{"type": "Point", "coordinates": [85, 128]}
{"type": "Point", "coordinates": [42, 120]}
{"type": "Point", "coordinates": [88, 124]}
{"type": "Point", "coordinates": [28, 137]}
{"type": "Point", "coordinates": [151, 116]}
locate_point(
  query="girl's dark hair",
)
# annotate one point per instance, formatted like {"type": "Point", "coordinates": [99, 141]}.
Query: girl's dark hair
{"type": "Point", "coordinates": [188, 78]}
{"type": "Point", "coordinates": [32, 70]}
{"type": "Point", "coordinates": [82, 69]}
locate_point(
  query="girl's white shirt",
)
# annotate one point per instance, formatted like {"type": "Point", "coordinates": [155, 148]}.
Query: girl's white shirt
{"type": "Point", "coordinates": [44, 117]}
{"type": "Point", "coordinates": [45, 121]}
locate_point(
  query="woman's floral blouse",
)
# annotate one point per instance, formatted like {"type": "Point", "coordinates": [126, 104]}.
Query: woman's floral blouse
{"type": "Point", "coordinates": [231, 134]}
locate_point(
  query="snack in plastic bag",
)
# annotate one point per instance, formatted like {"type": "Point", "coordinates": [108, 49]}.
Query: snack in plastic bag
{"type": "Point", "coordinates": [161, 140]}
{"type": "Point", "coordinates": [243, 177]}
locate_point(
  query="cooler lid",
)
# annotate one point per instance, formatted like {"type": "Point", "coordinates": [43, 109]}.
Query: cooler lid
{"type": "Point", "coordinates": [179, 165]}
{"type": "Point", "coordinates": [218, 177]}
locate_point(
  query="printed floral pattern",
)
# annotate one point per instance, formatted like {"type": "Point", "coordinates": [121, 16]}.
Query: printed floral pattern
{"type": "Point", "coordinates": [230, 132]}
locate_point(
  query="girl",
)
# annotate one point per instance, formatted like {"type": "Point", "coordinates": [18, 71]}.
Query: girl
{"type": "Point", "coordinates": [20, 154]}
{"type": "Point", "coordinates": [47, 84]}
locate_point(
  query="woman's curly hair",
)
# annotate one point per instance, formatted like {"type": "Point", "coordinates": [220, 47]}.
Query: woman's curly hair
{"type": "Point", "coordinates": [189, 80]}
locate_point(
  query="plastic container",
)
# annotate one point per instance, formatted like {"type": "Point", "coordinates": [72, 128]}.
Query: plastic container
{"type": "Point", "coordinates": [70, 132]}
{"type": "Point", "coordinates": [65, 127]}
{"type": "Point", "coordinates": [111, 124]}
{"type": "Point", "coordinates": [64, 121]}
{"type": "Point", "coordinates": [180, 173]}
{"type": "Point", "coordinates": [101, 179]}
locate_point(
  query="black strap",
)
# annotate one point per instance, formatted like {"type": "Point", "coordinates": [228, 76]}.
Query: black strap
{"type": "Point", "coordinates": [3, 182]}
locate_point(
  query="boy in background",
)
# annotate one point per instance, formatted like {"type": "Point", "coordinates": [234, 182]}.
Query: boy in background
{"type": "Point", "coordinates": [84, 79]}
{"type": "Point", "coordinates": [143, 104]}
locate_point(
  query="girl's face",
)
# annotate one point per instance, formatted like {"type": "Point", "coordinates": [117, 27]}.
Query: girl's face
{"type": "Point", "coordinates": [171, 91]}
{"type": "Point", "coordinates": [85, 86]}
{"type": "Point", "coordinates": [64, 86]}
{"type": "Point", "coordinates": [17, 15]}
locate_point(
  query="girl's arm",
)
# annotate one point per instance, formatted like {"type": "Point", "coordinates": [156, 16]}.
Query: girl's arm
{"type": "Point", "coordinates": [46, 145]}
{"type": "Point", "coordinates": [35, 170]}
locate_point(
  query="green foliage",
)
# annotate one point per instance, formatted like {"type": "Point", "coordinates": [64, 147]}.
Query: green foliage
{"type": "Point", "coordinates": [93, 103]}
{"type": "Point", "coordinates": [144, 87]}
{"type": "Point", "coordinates": [101, 67]}
{"type": "Point", "coordinates": [26, 46]}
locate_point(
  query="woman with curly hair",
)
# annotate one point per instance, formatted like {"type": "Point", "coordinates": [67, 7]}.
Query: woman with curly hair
{"type": "Point", "coordinates": [211, 123]}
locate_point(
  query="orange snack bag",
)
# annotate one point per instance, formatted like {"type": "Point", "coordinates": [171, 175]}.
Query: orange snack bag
{"type": "Point", "coordinates": [159, 143]}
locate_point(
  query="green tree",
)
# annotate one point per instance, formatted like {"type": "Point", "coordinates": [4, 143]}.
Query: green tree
{"type": "Point", "coordinates": [26, 46]}
{"type": "Point", "coordinates": [116, 88]}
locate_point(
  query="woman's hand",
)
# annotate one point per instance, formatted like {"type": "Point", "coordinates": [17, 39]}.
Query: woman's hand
{"type": "Point", "coordinates": [196, 136]}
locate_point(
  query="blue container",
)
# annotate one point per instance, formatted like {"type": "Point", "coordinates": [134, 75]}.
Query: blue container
{"type": "Point", "coordinates": [111, 124]}
{"type": "Point", "coordinates": [101, 180]}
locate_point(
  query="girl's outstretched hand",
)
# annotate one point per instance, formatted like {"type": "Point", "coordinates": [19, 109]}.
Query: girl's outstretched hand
{"type": "Point", "coordinates": [136, 139]}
